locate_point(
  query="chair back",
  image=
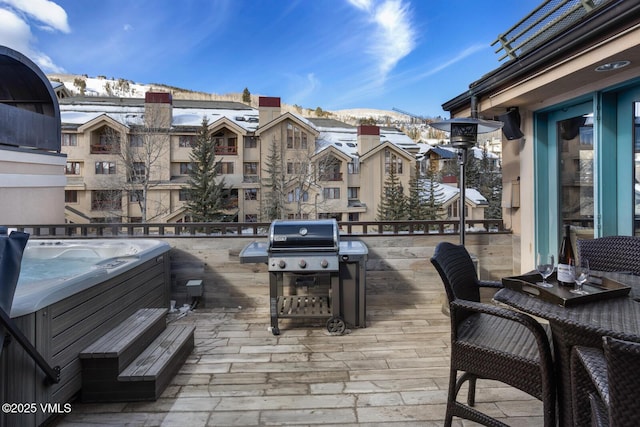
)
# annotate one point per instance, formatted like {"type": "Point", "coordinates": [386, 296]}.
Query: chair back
{"type": "Point", "coordinates": [457, 272]}
{"type": "Point", "coordinates": [623, 370]}
{"type": "Point", "coordinates": [611, 253]}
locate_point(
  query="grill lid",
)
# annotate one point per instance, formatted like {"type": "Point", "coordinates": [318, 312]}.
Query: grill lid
{"type": "Point", "coordinates": [316, 235]}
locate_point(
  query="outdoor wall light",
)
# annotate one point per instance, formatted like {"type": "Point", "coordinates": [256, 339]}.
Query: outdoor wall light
{"type": "Point", "coordinates": [463, 134]}
{"type": "Point", "coordinates": [611, 66]}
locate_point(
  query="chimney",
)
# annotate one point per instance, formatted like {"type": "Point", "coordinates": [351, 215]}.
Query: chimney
{"type": "Point", "coordinates": [268, 109]}
{"type": "Point", "coordinates": [368, 138]}
{"type": "Point", "coordinates": [158, 109]}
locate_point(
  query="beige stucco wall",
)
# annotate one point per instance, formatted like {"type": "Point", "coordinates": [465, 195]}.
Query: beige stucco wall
{"type": "Point", "coordinates": [31, 187]}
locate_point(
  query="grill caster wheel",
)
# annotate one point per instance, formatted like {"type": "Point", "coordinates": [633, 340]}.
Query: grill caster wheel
{"type": "Point", "coordinates": [336, 325]}
{"type": "Point", "coordinates": [275, 331]}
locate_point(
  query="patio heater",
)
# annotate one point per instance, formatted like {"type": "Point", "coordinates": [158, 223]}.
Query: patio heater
{"type": "Point", "coordinates": [463, 134]}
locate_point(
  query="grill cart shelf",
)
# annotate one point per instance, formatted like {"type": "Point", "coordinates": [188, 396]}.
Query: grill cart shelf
{"type": "Point", "coordinates": [325, 278]}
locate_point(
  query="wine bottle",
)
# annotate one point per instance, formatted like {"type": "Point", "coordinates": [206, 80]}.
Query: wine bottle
{"type": "Point", "coordinates": [565, 258]}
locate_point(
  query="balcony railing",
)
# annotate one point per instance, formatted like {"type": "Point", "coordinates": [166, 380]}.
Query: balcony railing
{"type": "Point", "coordinates": [223, 150]}
{"type": "Point", "coordinates": [336, 176]}
{"type": "Point", "coordinates": [104, 149]}
{"type": "Point", "coordinates": [237, 229]}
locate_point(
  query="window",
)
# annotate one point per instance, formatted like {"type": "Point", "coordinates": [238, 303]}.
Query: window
{"type": "Point", "coordinates": [575, 151]}
{"type": "Point", "coordinates": [331, 193]}
{"type": "Point", "coordinates": [185, 168]}
{"type": "Point", "coordinates": [187, 141]}
{"type": "Point", "coordinates": [135, 196]}
{"type": "Point", "coordinates": [296, 138]}
{"type": "Point", "coordinates": [636, 169]}
{"type": "Point", "coordinates": [224, 168]}
{"type": "Point", "coordinates": [69, 140]}
{"type": "Point", "coordinates": [354, 167]}
{"type": "Point", "coordinates": [138, 172]}
{"type": "Point", "coordinates": [108, 142]}
{"type": "Point", "coordinates": [105, 168]}
{"type": "Point", "coordinates": [298, 216]}
{"type": "Point", "coordinates": [297, 196]}
{"type": "Point", "coordinates": [390, 159]}
{"type": "Point", "coordinates": [72, 168]}
{"type": "Point", "coordinates": [70, 196]}
{"type": "Point", "coordinates": [251, 218]}
{"type": "Point", "coordinates": [329, 169]}
{"type": "Point", "coordinates": [183, 195]}
{"type": "Point", "coordinates": [352, 192]}
{"type": "Point", "coordinates": [136, 141]}
{"type": "Point", "coordinates": [250, 142]}
{"type": "Point", "coordinates": [250, 168]}
{"type": "Point", "coordinates": [104, 200]}
{"type": "Point", "coordinates": [296, 168]}
{"type": "Point", "coordinates": [354, 216]}
{"type": "Point", "coordinates": [251, 194]}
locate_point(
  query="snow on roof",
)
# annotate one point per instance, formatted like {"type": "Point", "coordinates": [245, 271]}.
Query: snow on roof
{"type": "Point", "coordinates": [78, 113]}
{"type": "Point", "coordinates": [477, 152]}
{"type": "Point", "coordinates": [449, 192]}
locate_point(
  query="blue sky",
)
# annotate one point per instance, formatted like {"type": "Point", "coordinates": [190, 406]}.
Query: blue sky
{"type": "Point", "coordinates": [409, 54]}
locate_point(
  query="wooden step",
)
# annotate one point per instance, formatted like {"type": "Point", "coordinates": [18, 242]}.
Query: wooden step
{"type": "Point", "coordinates": [149, 374]}
{"type": "Point", "coordinates": [115, 350]}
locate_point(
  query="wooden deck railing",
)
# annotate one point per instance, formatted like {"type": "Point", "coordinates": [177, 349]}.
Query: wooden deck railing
{"type": "Point", "coordinates": [235, 229]}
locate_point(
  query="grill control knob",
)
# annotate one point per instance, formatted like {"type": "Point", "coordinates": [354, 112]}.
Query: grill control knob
{"type": "Point", "coordinates": [324, 263]}
{"type": "Point", "coordinates": [282, 264]}
{"type": "Point", "coordinates": [302, 263]}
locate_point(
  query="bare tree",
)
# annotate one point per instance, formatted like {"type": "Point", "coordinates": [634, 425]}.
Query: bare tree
{"type": "Point", "coordinates": [143, 160]}
{"type": "Point", "coordinates": [294, 174]}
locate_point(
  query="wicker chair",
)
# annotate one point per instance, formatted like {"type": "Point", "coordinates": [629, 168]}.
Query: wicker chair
{"type": "Point", "coordinates": [612, 383]}
{"type": "Point", "coordinates": [611, 253]}
{"type": "Point", "coordinates": [490, 342]}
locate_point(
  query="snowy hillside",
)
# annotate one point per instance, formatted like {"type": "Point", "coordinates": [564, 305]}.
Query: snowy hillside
{"type": "Point", "coordinates": [102, 86]}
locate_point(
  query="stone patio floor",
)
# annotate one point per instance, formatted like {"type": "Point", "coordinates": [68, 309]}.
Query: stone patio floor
{"type": "Point", "coordinates": [394, 372]}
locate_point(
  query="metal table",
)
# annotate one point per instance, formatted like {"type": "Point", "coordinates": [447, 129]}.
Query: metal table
{"type": "Point", "coordinates": [583, 324]}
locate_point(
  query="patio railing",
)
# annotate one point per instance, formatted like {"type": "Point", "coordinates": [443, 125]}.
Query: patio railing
{"type": "Point", "coordinates": [236, 229]}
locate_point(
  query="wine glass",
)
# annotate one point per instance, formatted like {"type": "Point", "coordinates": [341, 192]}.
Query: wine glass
{"type": "Point", "coordinates": [544, 265]}
{"type": "Point", "coordinates": [581, 276]}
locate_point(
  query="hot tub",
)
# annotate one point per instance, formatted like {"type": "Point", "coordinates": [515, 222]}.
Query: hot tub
{"type": "Point", "coordinates": [69, 294]}
{"type": "Point", "coordinates": [55, 269]}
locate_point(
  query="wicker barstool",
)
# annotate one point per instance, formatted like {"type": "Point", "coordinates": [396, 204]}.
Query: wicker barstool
{"type": "Point", "coordinates": [610, 379]}
{"type": "Point", "coordinates": [611, 253]}
{"type": "Point", "coordinates": [490, 342]}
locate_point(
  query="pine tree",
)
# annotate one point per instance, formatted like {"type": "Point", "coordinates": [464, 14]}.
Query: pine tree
{"type": "Point", "coordinates": [393, 204]}
{"type": "Point", "coordinates": [490, 186]}
{"type": "Point", "coordinates": [273, 185]}
{"type": "Point", "coordinates": [205, 203]}
{"type": "Point", "coordinates": [434, 195]}
{"type": "Point", "coordinates": [416, 202]}
{"type": "Point", "coordinates": [246, 96]}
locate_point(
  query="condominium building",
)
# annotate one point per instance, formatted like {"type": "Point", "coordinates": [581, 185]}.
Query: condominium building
{"type": "Point", "coordinates": [329, 169]}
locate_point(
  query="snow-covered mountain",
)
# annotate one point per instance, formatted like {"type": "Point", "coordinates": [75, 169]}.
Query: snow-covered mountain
{"type": "Point", "coordinates": [102, 86]}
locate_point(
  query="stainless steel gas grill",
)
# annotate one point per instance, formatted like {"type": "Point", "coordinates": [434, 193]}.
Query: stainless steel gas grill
{"type": "Point", "coordinates": [308, 273]}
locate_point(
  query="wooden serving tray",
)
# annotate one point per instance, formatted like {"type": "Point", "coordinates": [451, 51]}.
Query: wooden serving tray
{"type": "Point", "coordinates": [599, 288]}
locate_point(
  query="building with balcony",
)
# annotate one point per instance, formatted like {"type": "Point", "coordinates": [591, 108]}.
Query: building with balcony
{"type": "Point", "coordinates": [329, 169]}
{"type": "Point", "coordinates": [569, 95]}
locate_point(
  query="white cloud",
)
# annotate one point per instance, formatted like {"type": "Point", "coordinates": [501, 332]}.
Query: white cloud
{"type": "Point", "coordinates": [14, 32]}
{"type": "Point", "coordinates": [19, 16]}
{"type": "Point", "coordinates": [459, 57]}
{"type": "Point", "coordinates": [361, 4]}
{"type": "Point", "coordinates": [45, 12]}
{"type": "Point", "coordinates": [392, 36]}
